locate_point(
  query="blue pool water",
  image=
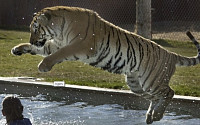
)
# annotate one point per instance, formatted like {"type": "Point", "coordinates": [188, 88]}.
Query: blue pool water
{"type": "Point", "coordinates": [43, 112]}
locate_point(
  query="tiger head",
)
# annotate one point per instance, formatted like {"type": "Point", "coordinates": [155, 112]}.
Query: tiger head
{"type": "Point", "coordinates": [40, 32]}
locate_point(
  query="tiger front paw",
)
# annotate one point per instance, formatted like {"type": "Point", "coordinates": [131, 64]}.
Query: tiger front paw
{"type": "Point", "coordinates": [21, 49]}
{"type": "Point", "coordinates": [45, 66]}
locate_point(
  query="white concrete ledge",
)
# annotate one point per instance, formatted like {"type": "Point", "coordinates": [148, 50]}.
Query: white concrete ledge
{"type": "Point", "coordinates": [28, 86]}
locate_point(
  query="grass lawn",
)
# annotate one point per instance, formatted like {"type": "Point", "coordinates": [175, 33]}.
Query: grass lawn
{"type": "Point", "coordinates": [186, 80]}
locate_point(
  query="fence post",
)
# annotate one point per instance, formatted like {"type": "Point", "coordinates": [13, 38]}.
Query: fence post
{"type": "Point", "coordinates": [143, 18]}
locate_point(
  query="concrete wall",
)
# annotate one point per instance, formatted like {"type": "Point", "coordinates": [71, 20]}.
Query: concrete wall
{"type": "Point", "coordinates": [95, 96]}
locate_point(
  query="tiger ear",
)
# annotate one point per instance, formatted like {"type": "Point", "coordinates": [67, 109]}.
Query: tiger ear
{"type": "Point", "coordinates": [44, 18]}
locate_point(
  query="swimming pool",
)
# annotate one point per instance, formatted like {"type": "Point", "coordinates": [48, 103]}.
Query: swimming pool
{"type": "Point", "coordinates": [41, 111]}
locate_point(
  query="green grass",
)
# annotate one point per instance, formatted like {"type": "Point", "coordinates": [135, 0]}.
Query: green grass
{"type": "Point", "coordinates": [185, 81]}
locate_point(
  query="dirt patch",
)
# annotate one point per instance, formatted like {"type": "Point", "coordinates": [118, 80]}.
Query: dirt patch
{"type": "Point", "coordinates": [180, 36]}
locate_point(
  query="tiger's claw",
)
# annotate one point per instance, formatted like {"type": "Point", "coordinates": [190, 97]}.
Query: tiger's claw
{"type": "Point", "coordinates": [16, 52]}
{"type": "Point", "coordinates": [21, 49]}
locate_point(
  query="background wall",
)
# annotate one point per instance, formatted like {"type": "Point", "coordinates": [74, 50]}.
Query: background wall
{"type": "Point", "coordinates": [167, 15]}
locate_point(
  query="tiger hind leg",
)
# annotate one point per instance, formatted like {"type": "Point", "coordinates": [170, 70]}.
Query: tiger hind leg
{"type": "Point", "coordinates": [149, 114]}
{"type": "Point", "coordinates": [133, 83]}
{"type": "Point", "coordinates": [159, 99]}
{"type": "Point", "coordinates": [138, 91]}
{"type": "Point", "coordinates": [159, 104]}
{"type": "Point", "coordinates": [163, 102]}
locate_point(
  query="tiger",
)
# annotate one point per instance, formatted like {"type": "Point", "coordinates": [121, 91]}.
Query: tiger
{"type": "Point", "coordinates": [63, 33]}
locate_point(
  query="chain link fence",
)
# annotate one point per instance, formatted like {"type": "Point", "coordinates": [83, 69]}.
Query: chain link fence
{"type": "Point", "coordinates": [170, 18]}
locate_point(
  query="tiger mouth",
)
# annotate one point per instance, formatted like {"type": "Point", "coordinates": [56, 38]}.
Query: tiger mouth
{"type": "Point", "coordinates": [40, 43]}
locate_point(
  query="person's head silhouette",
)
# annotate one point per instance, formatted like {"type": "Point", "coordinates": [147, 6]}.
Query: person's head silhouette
{"type": "Point", "coordinates": [12, 110]}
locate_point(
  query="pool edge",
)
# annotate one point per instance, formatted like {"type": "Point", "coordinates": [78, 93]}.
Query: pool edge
{"type": "Point", "coordinates": [93, 95]}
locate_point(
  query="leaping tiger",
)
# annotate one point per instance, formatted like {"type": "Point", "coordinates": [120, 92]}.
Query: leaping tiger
{"type": "Point", "coordinates": [69, 33]}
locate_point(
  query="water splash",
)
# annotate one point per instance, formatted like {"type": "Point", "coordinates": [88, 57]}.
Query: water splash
{"type": "Point", "coordinates": [41, 111]}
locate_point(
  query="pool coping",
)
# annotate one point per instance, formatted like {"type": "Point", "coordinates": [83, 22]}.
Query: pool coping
{"type": "Point", "coordinates": [29, 86]}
